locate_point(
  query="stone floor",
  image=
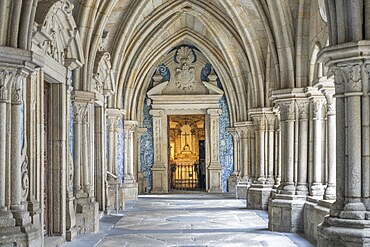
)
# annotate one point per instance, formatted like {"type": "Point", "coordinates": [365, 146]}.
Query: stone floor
{"type": "Point", "coordinates": [187, 220]}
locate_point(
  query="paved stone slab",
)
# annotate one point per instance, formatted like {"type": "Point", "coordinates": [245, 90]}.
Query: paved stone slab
{"type": "Point", "coordinates": [194, 220]}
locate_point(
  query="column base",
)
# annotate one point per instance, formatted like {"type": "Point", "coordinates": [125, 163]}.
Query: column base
{"type": "Point", "coordinates": [143, 185]}
{"type": "Point", "coordinates": [214, 178]}
{"type": "Point", "coordinates": [87, 216]}
{"type": "Point", "coordinates": [242, 188]}
{"type": "Point", "coordinates": [232, 181]}
{"type": "Point", "coordinates": [286, 213]}
{"type": "Point", "coordinates": [314, 213]}
{"type": "Point", "coordinates": [71, 232]}
{"type": "Point", "coordinates": [317, 189]}
{"type": "Point", "coordinates": [111, 196]}
{"type": "Point", "coordinates": [330, 192]}
{"type": "Point", "coordinates": [130, 190]}
{"type": "Point", "coordinates": [160, 179]}
{"type": "Point", "coordinates": [6, 218]}
{"type": "Point", "coordinates": [258, 196]}
{"type": "Point", "coordinates": [336, 232]}
{"type": "Point", "coordinates": [27, 235]}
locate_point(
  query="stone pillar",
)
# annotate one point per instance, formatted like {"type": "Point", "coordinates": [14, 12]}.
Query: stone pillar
{"type": "Point", "coordinates": [18, 209]}
{"type": "Point", "coordinates": [113, 116]}
{"type": "Point", "coordinates": [142, 184]}
{"type": "Point", "coordinates": [286, 206]}
{"type": "Point", "coordinates": [303, 108]}
{"type": "Point", "coordinates": [79, 114]}
{"type": "Point", "coordinates": [177, 141]}
{"type": "Point", "coordinates": [130, 185]}
{"type": "Point", "coordinates": [317, 109]}
{"type": "Point", "coordinates": [331, 141]}
{"type": "Point", "coordinates": [87, 209]}
{"type": "Point", "coordinates": [214, 169]}
{"type": "Point", "coordinates": [234, 177]}
{"type": "Point", "coordinates": [245, 130]}
{"type": "Point", "coordinates": [287, 109]}
{"type": "Point", "coordinates": [271, 119]}
{"type": "Point", "coordinates": [71, 231]}
{"type": "Point", "coordinates": [159, 168]}
{"type": "Point", "coordinates": [259, 192]}
{"type": "Point", "coordinates": [349, 220]}
{"type": "Point", "coordinates": [277, 153]}
{"type": "Point", "coordinates": [6, 217]}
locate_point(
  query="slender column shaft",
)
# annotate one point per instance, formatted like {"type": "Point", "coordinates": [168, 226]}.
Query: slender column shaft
{"type": "Point", "coordinates": [303, 145]}
{"type": "Point", "coordinates": [331, 146]}
{"type": "Point", "coordinates": [16, 142]}
{"type": "Point", "coordinates": [271, 156]}
{"type": "Point", "coordinates": [261, 156]}
{"type": "Point", "coordinates": [353, 192]}
{"type": "Point", "coordinates": [77, 155]}
{"type": "Point", "coordinates": [317, 158]}
{"type": "Point", "coordinates": [85, 153]}
{"type": "Point", "coordinates": [2, 152]}
{"type": "Point", "coordinates": [246, 156]}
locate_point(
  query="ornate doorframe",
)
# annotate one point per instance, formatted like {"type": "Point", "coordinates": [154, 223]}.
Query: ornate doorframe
{"type": "Point", "coordinates": [165, 105]}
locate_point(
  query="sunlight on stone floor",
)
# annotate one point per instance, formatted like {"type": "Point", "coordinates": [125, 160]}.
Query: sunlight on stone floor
{"type": "Point", "coordinates": [193, 220]}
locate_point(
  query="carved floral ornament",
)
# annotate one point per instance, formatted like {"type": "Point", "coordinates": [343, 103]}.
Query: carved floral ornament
{"type": "Point", "coordinates": [287, 110]}
{"type": "Point", "coordinates": [185, 75]}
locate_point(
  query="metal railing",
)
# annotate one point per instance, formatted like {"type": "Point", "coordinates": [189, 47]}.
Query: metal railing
{"type": "Point", "coordinates": [184, 177]}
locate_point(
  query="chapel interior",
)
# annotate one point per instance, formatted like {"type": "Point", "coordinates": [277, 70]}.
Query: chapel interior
{"type": "Point", "coordinates": [108, 103]}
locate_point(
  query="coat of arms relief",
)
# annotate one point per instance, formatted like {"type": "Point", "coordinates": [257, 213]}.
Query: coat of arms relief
{"type": "Point", "coordinates": [185, 75]}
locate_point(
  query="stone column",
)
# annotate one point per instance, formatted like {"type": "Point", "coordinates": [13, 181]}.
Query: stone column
{"type": "Point", "coordinates": [260, 123]}
{"type": "Point", "coordinates": [317, 104]}
{"type": "Point", "coordinates": [159, 168]}
{"type": "Point", "coordinates": [17, 141]}
{"type": "Point", "coordinates": [244, 130]}
{"type": "Point", "coordinates": [348, 223]}
{"type": "Point", "coordinates": [271, 119]}
{"type": "Point", "coordinates": [286, 206]}
{"type": "Point", "coordinates": [214, 168]}
{"type": "Point", "coordinates": [331, 144]}
{"type": "Point", "coordinates": [6, 217]}
{"type": "Point", "coordinates": [140, 176]}
{"type": "Point", "coordinates": [113, 116]}
{"type": "Point", "coordinates": [79, 114]}
{"type": "Point", "coordinates": [87, 209]}
{"type": "Point", "coordinates": [130, 185]}
{"type": "Point", "coordinates": [234, 177]}
{"type": "Point", "coordinates": [259, 193]}
{"type": "Point", "coordinates": [303, 108]}
{"type": "Point", "coordinates": [287, 110]}
{"type": "Point", "coordinates": [177, 141]}
{"type": "Point", "coordinates": [277, 148]}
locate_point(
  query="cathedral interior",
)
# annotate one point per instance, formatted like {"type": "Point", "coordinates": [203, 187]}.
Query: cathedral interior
{"type": "Point", "coordinates": [104, 102]}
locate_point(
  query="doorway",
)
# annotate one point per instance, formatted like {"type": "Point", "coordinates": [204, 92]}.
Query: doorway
{"type": "Point", "coordinates": [186, 144]}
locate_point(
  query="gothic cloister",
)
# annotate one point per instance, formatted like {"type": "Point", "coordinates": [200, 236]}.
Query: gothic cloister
{"type": "Point", "coordinates": [106, 102]}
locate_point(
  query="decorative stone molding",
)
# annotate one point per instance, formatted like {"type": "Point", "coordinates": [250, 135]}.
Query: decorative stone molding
{"type": "Point", "coordinates": [103, 81]}
{"type": "Point", "coordinates": [56, 32]}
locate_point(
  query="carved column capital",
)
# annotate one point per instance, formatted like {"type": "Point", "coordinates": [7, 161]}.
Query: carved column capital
{"type": "Point", "coordinates": [303, 109]}
{"type": "Point", "coordinates": [130, 125]}
{"type": "Point", "coordinates": [287, 110]}
{"type": "Point", "coordinates": [318, 108]}
{"type": "Point", "coordinates": [214, 112]}
{"type": "Point", "coordinates": [80, 112]}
